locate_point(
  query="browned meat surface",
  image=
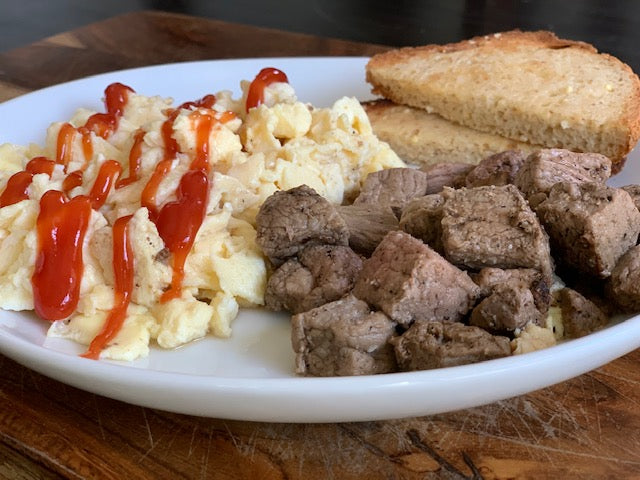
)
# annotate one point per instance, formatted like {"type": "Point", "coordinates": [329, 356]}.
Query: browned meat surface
{"type": "Point", "coordinates": [508, 308]}
{"type": "Point", "coordinates": [580, 316]}
{"type": "Point", "coordinates": [394, 186]}
{"type": "Point", "coordinates": [342, 338]}
{"type": "Point", "coordinates": [493, 226]}
{"type": "Point", "coordinates": [489, 278]}
{"type": "Point", "coordinates": [440, 175]}
{"type": "Point", "coordinates": [411, 282]}
{"type": "Point", "coordinates": [320, 274]}
{"type": "Point", "coordinates": [290, 220]}
{"type": "Point", "coordinates": [368, 224]}
{"type": "Point", "coordinates": [543, 169]}
{"type": "Point", "coordinates": [429, 345]}
{"type": "Point", "coordinates": [422, 218]}
{"type": "Point", "coordinates": [497, 169]}
{"type": "Point", "coordinates": [624, 284]}
{"type": "Point", "coordinates": [634, 191]}
{"type": "Point", "coordinates": [590, 225]}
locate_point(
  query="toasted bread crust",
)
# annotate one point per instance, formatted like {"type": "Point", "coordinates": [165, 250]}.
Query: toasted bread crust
{"type": "Point", "coordinates": [620, 133]}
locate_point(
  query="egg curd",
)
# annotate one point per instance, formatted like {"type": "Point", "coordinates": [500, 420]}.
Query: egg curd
{"type": "Point", "coordinates": [137, 224]}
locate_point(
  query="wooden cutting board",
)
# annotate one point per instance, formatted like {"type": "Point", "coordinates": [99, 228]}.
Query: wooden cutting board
{"type": "Point", "coordinates": [588, 427]}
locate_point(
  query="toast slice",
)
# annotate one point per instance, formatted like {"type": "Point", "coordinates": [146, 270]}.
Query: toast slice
{"type": "Point", "coordinates": [423, 138]}
{"type": "Point", "coordinates": [527, 86]}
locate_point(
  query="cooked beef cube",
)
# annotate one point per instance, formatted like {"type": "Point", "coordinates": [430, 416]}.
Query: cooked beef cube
{"type": "Point", "coordinates": [409, 281]}
{"type": "Point", "coordinates": [422, 218]}
{"type": "Point", "coordinates": [368, 224]}
{"type": "Point", "coordinates": [580, 316]}
{"type": "Point", "coordinates": [320, 274]}
{"type": "Point", "coordinates": [634, 191]}
{"type": "Point", "coordinates": [342, 338]}
{"type": "Point", "coordinates": [429, 345]}
{"type": "Point", "coordinates": [290, 220]}
{"type": "Point", "coordinates": [544, 168]}
{"type": "Point", "coordinates": [623, 286]}
{"type": "Point", "coordinates": [393, 186]}
{"type": "Point", "coordinates": [489, 278]}
{"type": "Point", "coordinates": [497, 169]}
{"type": "Point", "coordinates": [508, 308]}
{"type": "Point", "coordinates": [493, 226]}
{"type": "Point", "coordinates": [590, 225]}
{"type": "Point", "coordinates": [440, 175]}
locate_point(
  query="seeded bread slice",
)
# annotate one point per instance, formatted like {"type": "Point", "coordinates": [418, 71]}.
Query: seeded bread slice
{"type": "Point", "coordinates": [527, 86]}
{"type": "Point", "coordinates": [422, 138]}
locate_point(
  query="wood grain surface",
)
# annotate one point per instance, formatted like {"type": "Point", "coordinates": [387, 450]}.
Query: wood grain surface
{"type": "Point", "coordinates": [588, 427]}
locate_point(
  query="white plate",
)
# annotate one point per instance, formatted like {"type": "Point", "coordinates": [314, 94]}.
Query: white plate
{"type": "Point", "coordinates": [251, 376]}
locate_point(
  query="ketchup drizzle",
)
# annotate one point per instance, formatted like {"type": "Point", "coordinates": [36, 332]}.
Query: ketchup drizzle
{"type": "Point", "coordinates": [178, 223]}
{"type": "Point", "coordinates": [104, 124]}
{"type": "Point", "coordinates": [266, 76]}
{"type": "Point", "coordinates": [17, 188]}
{"type": "Point", "coordinates": [135, 157]}
{"type": "Point", "coordinates": [71, 181]}
{"type": "Point", "coordinates": [170, 143]}
{"type": "Point", "coordinates": [64, 145]}
{"type": "Point", "coordinates": [61, 227]}
{"type": "Point", "coordinates": [40, 165]}
{"type": "Point", "coordinates": [107, 175]}
{"type": "Point", "coordinates": [123, 288]}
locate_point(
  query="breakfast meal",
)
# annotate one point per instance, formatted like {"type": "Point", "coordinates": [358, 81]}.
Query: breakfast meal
{"type": "Point", "coordinates": [463, 217]}
{"type": "Point", "coordinates": [137, 224]}
{"type": "Point", "coordinates": [511, 90]}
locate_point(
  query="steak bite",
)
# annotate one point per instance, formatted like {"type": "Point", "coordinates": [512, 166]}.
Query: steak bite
{"type": "Point", "coordinates": [580, 316]}
{"type": "Point", "coordinates": [493, 226]}
{"type": "Point", "coordinates": [411, 282]}
{"type": "Point", "coordinates": [440, 175]}
{"type": "Point", "coordinates": [290, 220]}
{"type": "Point", "coordinates": [428, 345]}
{"type": "Point", "coordinates": [590, 225]}
{"type": "Point", "coordinates": [623, 287]}
{"type": "Point", "coordinates": [393, 186]}
{"type": "Point", "coordinates": [634, 191]}
{"type": "Point", "coordinates": [342, 338]}
{"type": "Point", "coordinates": [544, 168]}
{"type": "Point", "coordinates": [509, 307]}
{"type": "Point", "coordinates": [320, 274]}
{"type": "Point", "coordinates": [489, 278]}
{"type": "Point", "coordinates": [422, 218]}
{"type": "Point", "coordinates": [367, 224]}
{"type": "Point", "coordinates": [497, 169]}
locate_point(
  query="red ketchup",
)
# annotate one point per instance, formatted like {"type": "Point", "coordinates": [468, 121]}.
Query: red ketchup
{"type": "Point", "coordinates": [61, 227]}
{"type": "Point", "coordinates": [64, 146]}
{"type": "Point", "coordinates": [71, 181]}
{"type": "Point", "coordinates": [115, 100]}
{"type": "Point", "coordinates": [170, 144]}
{"type": "Point", "coordinates": [17, 188]}
{"type": "Point", "coordinates": [178, 224]}
{"type": "Point", "coordinates": [123, 274]}
{"type": "Point", "coordinates": [107, 175]}
{"type": "Point", "coordinates": [135, 157]}
{"type": "Point", "coordinates": [266, 76]}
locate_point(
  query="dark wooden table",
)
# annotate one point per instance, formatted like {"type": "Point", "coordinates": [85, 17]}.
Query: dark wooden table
{"type": "Point", "coordinates": [588, 427]}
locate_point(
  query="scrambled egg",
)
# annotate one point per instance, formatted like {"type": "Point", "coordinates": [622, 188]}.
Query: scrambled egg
{"type": "Point", "coordinates": [280, 144]}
